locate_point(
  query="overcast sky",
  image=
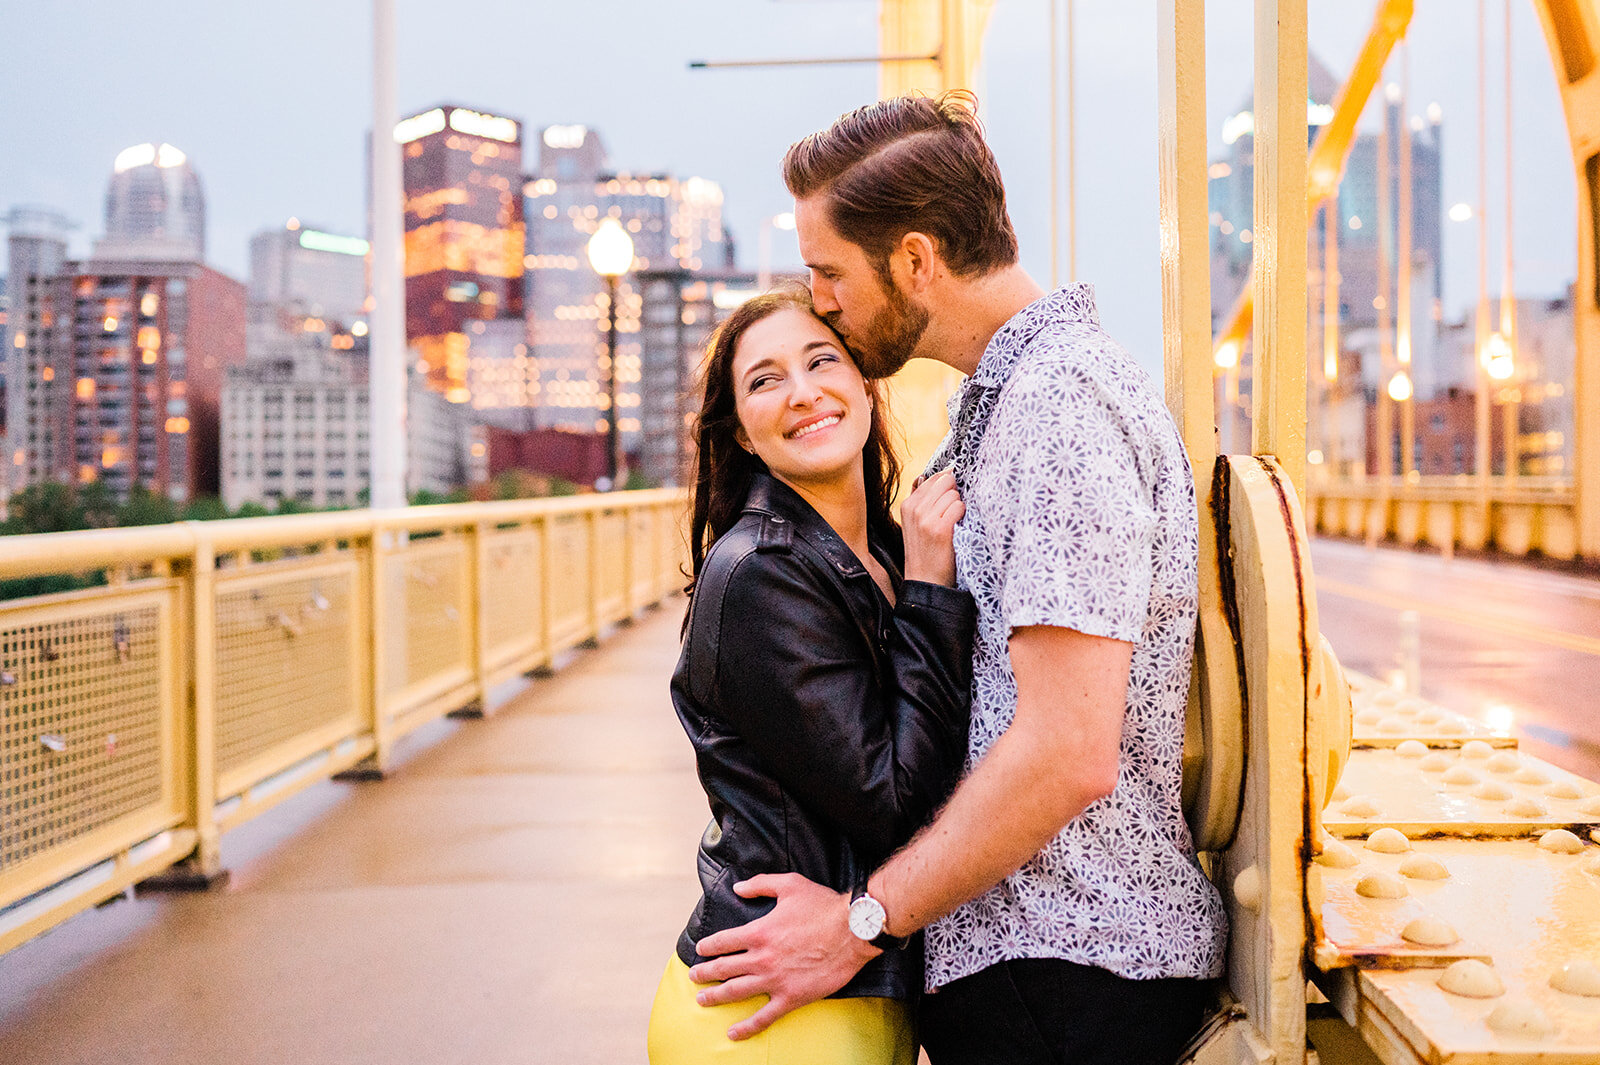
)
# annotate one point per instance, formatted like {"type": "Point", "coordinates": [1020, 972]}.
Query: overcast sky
{"type": "Point", "coordinates": [271, 102]}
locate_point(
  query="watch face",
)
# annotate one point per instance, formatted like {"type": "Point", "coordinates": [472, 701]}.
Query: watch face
{"type": "Point", "coordinates": [866, 918]}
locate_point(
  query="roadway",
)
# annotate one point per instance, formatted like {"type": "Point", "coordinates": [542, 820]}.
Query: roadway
{"type": "Point", "coordinates": [1515, 646]}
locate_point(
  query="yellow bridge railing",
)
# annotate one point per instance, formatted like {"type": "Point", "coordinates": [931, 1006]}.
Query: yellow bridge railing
{"type": "Point", "coordinates": [1520, 516]}
{"type": "Point", "coordinates": [226, 665]}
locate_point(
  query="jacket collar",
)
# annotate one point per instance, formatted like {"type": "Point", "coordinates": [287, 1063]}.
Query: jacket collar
{"type": "Point", "coordinates": [779, 505]}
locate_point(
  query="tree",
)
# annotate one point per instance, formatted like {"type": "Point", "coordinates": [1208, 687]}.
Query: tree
{"type": "Point", "coordinates": [45, 507]}
{"type": "Point", "coordinates": [204, 508]}
{"type": "Point", "coordinates": [145, 507]}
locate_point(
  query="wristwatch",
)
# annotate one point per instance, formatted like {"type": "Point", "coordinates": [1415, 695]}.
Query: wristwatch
{"type": "Point", "coordinates": [867, 918]}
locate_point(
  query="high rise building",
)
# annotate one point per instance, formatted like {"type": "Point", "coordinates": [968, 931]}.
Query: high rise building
{"type": "Point", "coordinates": [142, 347]}
{"type": "Point", "coordinates": [1232, 186]}
{"type": "Point", "coordinates": [120, 365]}
{"type": "Point", "coordinates": [679, 310]}
{"type": "Point", "coordinates": [309, 273]}
{"type": "Point", "coordinates": [155, 208]}
{"type": "Point", "coordinates": [676, 225]}
{"type": "Point", "coordinates": [36, 253]}
{"type": "Point", "coordinates": [464, 234]}
{"type": "Point", "coordinates": [296, 427]}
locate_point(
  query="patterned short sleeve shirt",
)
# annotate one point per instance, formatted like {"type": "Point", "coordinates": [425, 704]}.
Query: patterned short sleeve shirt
{"type": "Point", "coordinates": [1081, 513]}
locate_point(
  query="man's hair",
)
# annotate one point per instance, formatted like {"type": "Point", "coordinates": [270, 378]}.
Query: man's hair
{"type": "Point", "coordinates": [910, 164]}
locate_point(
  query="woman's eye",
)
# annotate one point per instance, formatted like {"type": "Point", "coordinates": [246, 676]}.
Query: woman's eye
{"type": "Point", "coordinates": [824, 359]}
{"type": "Point", "coordinates": [758, 383]}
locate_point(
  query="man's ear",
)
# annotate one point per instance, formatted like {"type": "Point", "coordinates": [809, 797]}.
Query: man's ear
{"type": "Point", "coordinates": [920, 257]}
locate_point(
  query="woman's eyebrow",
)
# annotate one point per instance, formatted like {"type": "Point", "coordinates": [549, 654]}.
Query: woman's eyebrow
{"type": "Point", "coordinates": [818, 344]}
{"type": "Point", "coordinates": [758, 364]}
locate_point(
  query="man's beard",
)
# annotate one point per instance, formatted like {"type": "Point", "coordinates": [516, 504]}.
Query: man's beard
{"type": "Point", "coordinates": [888, 341]}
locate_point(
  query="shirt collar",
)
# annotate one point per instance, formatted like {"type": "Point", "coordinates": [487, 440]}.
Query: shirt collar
{"type": "Point", "coordinates": [1071, 303]}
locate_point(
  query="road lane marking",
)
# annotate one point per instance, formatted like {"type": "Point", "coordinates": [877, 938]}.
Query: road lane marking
{"type": "Point", "coordinates": [1521, 630]}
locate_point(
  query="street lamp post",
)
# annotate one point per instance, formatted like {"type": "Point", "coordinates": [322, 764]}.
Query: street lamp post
{"type": "Point", "coordinates": [611, 255]}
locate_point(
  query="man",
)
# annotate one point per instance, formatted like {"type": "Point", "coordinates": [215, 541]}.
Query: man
{"type": "Point", "coordinates": [1066, 918]}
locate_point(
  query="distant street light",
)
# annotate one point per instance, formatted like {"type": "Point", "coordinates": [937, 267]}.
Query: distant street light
{"type": "Point", "coordinates": [611, 255]}
{"type": "Point", "coordinates": [1400, 387]}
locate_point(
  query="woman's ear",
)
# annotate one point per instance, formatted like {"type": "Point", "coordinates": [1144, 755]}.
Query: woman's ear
{"type": "Point", "coordinates": [742, 438]}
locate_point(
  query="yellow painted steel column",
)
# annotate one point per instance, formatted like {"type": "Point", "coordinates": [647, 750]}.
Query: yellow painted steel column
{"type": "Point", "coordinates": [1572, 33]}
{"type": "Point", "coordinates": [206, 862]}
{"type": "Point", "coordinates": [478, 560]}
{"type": "Point", "coordinates": [952, 30]}
{"type": "Point", "coordinates": [1278, 265]}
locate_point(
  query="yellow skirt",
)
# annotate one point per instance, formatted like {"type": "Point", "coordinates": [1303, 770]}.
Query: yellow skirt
{"type": "Point", "coordinates": [835, 1031]}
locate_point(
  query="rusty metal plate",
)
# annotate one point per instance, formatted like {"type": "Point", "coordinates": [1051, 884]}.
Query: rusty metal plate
{"type": "Point", "coordinates": [1469, 791]}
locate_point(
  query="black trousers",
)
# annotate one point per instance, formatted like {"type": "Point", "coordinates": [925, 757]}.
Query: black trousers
{"type": "Point", "coordinates": [1053, 1012]}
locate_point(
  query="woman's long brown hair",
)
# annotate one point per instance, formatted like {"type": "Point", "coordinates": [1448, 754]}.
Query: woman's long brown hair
{"type": "Point", "coordinates": [724, 470]}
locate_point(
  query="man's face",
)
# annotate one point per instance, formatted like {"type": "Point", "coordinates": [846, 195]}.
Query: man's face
{"type": "Point", "coordinates": [880, 322]}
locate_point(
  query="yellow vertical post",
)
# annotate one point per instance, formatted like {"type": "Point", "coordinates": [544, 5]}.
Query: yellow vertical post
{"type": "Point", "coordinates": [596, 574]}
{"type": "Point", "coordinates": [1185, 231]}
{"type": "Point", "coordinates": [206, 862]}
{"type": "Point", "coordinates": [1330, 331]}
{"type": "Point", "coordinates": [1278, 266]}
{"type": "Point", "coordinates": [952, 30]}
{"type": "Point", "coordinates": [377, 622]}
{"type": "Point", "coordinates": [547, 600]}
{"type": "Point", "coordinates": [1385, 412]}
{"type": "Point", "coordinates": [478, 548]}
{"type": "Point", "coordinates": [1572, 35]}
{"type": "Point", "coordinates": [1402, 316]}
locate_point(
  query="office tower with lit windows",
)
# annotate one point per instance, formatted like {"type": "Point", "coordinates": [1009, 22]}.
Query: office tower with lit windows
{"type": "Point", "coordinates": [155, 208]}
{"type": "Point", "coordinates": [464, 234]}
{"type": "Point", "coordinates": [36, 253]}
{"type": "Point", "coordinates": [303, 272]}
{"type": "Point", "coordinates": [131, 346]}
{"type": "Point", "coordinates": [679, 309]}
{"type": "Point", "coordinates": [142, 348]}
{"type": "Point", "coordinates": [675, 224]}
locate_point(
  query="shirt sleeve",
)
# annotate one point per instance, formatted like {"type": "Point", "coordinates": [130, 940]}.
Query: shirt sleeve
{"type": "Point", "coordinates": [1072, 519]}
{"type": "Point", "coordinates": [796, 681]}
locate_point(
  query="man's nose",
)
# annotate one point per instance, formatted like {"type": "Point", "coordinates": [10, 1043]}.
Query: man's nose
{"type": "Point", "coordinates": [822, 295]}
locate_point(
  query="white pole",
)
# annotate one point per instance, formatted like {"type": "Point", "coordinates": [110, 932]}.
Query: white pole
{"type": "Point", "coordinates": [387, 322]}
{"type": "Point", "coordinates": [1072, 143]}
{"type": "Point", "coordinates": [1055, 149]}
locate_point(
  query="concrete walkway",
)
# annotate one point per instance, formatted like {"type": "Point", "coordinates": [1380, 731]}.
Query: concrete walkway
{"type": "Point", "coordinates": [509, 895]}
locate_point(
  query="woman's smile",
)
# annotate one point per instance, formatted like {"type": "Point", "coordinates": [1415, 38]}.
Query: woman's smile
{"type": "Point", "coordinates": [814, 425]}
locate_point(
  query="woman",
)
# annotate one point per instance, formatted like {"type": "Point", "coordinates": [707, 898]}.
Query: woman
{"type": "Point", "coordinates": [825, 695]}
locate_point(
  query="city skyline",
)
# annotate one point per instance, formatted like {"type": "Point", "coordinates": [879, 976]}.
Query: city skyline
{"type": "Point", "coordinates": [278, 137]}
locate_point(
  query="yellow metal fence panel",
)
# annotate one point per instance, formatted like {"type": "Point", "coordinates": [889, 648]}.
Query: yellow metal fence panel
{"type": "Point", "coordinates": [613, 562]}
{"type": "Point", "coordinates": [139, 719]}
{"type": "Point", "coordinates": [288, 656]}
{"type": "Point", "coordinates": [570, 586]}
{"type": "Point", "coordinates": [87, 728]}
{"type": "Point", "coordinates": [437, 635]}
{"type": "Point", "coordinates": [513, 593]}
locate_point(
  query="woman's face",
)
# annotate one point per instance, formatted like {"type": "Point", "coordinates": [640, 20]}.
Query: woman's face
{"type": "Point", "coordinates": [803, 406]}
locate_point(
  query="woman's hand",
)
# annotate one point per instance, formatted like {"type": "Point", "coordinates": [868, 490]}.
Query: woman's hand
{"type": "Point", "coordinates": [928, 517]}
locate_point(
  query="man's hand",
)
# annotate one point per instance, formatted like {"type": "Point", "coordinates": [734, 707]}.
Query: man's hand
{"type": "Point", "coordinates": [799, 953]}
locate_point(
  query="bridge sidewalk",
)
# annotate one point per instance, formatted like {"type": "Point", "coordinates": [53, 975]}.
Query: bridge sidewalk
{"type": "Point", "coordinates": [509, 895]}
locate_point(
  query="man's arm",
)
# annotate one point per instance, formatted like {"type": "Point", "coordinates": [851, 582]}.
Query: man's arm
{"type": "Point", "coordinates": [1059, 755]}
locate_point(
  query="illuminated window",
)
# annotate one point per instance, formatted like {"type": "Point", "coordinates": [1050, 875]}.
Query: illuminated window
{"type": "Point", "coordinates": [149, 303]}
{"type": "Point", "coordinates": [85, 388]}
{"type": "Point", "coordinates": [110, 324]}
{"type": "Point", "coordinates": [49, 373]}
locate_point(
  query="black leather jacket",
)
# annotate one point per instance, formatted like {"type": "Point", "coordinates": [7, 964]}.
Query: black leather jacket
{"type": "Point", "coordinates": [827, 726]}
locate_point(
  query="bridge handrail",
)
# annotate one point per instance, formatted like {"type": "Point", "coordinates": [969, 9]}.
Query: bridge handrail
{"type": "Point", "coordinates": [223, 666]}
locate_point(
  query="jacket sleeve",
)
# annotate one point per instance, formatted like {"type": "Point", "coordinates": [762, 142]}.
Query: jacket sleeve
{"type": "Point", "coordinates": [795, 679]}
